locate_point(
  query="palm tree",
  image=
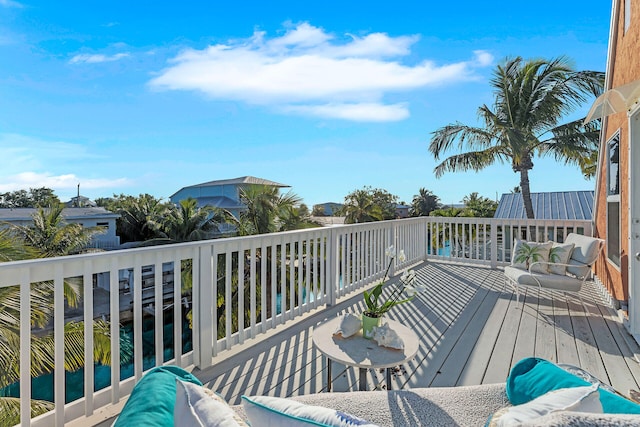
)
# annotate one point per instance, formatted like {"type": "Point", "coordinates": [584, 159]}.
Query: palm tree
{"type": "Point", "coordinates": [424, 202]}
{"type": "Point", "coordinates": [187, 222]}
{"type": "Point", "coordinates": [140, 217]}
{"type": "Point", "coordinates": [531, 97]}
{"type": "Point", "coordinates": [360, 206]}
{"type": "Point", "coordinates": [265, 206]}
{"type": "Point", "coordinates": [478, 206]}
{"type": "Point", "coordinates": [48, 236]}
{"type": "Point", "coordinates": [51, 236]}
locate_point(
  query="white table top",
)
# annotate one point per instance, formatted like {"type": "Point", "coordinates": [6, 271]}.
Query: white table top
{"type": "Point", "coordinates": [361, 352]}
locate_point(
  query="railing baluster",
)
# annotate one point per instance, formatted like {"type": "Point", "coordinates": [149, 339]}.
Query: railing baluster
{"type": "Point", "coordinates": [114, 319]}
{"type": "Point", "coordinates": [87, 282]}
{"type": "Point", "coordinates": [158, 285]}
{"type": "Point", "coordinates": [58, 336]}
{"type": "Point", "coordinates": [137, 318]}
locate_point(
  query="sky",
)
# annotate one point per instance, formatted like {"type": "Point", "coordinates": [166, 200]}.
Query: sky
{"type": "Point", "coordinates": [327, 97]}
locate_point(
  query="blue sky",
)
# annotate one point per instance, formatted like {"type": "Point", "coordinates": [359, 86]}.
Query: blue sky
{"type": "Point", "coordinates": [148, 97]}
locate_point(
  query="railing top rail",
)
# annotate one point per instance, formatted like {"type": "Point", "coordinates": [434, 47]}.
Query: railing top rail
{"type": "Point", "coordinates": [172, 247]}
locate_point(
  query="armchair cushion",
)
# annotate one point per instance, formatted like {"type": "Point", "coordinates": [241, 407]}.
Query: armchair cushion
{"type": "Point", "coordinates": [528, 253]}
{"type": "Point", "coordinates": [550, 281]}
{"type": "Point", "coordinates": [585, 252]}
{"type": "Point", "coordinates": [560, 254]}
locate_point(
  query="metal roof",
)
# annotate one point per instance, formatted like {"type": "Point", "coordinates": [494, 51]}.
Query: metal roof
{"type": "Point", "coordinates": [23, 214]}
{"type": "Point", "coordinates": [553, 205]}
{"type": "Point", "coordinates": [240, 181]}
{"type": "Point", "coordinates": [243, 180]}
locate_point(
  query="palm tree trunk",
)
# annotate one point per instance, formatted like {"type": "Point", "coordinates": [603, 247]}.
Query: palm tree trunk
{"type": "Point", "coordinates": [526, 193]}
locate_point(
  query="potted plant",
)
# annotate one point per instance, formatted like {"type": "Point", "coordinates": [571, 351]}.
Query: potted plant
{"type": "Point", "coordinates": [378, 306]}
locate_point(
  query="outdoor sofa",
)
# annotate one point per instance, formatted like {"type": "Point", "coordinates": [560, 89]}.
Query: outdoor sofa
{"type": "Point", "coordinates": [536, 393]}
{"type": "Point", "coordinates": [555, 266]}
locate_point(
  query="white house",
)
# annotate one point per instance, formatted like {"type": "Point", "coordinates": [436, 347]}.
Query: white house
{"type": "Point", "coordinates": [87, 217]}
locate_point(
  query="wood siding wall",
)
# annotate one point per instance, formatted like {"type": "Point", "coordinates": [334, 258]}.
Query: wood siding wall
{"type": "Point", "coordinates": [625, 68]}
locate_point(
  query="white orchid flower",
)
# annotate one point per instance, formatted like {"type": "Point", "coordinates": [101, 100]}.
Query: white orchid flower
{"type": "Point", "coordinates": [410, 290]}
{"type": "Point", "coordinates": [408, 277]}
{"type": "Point", "coordinates": [390, 252]}
{"type": "Point", "coordinates": [402, 257]}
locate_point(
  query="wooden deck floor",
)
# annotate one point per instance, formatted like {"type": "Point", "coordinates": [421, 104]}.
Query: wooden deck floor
{"type": "Point", "coordinates": [471, 332]}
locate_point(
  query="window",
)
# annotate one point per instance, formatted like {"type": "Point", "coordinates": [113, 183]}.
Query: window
{"type": "Point", "coordinates": [627, 15]}
{"type": "Point", "coordinates": [613, 200]}
{"type": "Point", "coordinates": [103, 224]}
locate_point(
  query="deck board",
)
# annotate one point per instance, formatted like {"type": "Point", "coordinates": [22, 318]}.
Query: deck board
{"type": "Point", "coordinates": [471, 331]}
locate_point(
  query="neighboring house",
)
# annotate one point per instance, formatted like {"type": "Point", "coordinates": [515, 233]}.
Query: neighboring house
{"type": "Point", "coordinates": [402, 211]}
{"type": "Point", "coordinates": [80, 202]}
{"type": "Point", "coordinates": [617, 207]}
{"type": "Point", "coordinates": [224, 194]}
{"type": "Point", "coordinates": [552, 205]}
{"type": "Point", "coordinates": [329, 208]}
{"type": "Point", "coordinates": [87, 217]}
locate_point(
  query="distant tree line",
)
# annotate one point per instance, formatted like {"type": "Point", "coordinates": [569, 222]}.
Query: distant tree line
{"type": "Point", "coordinates": [374, 204]}
{"type": "Point", "coordinates": [33, 198]}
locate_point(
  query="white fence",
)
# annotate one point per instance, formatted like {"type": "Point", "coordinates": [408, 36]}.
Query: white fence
{"type": "Point", "coordinates": [231, 290]}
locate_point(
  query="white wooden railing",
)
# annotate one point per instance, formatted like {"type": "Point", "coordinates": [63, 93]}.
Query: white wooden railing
{"type": "Point", "coordinates": [271, 279]}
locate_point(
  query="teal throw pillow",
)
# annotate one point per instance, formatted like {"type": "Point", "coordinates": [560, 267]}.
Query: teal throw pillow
{"type": "Point", "coordinates": [532, 377]}
{"type": "Point", "coordinates": [153, 398]}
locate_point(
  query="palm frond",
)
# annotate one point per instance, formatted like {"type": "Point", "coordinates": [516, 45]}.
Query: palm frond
{"type": "Point", "coordinates": [475, 160]}
{"type": "Point", "coordinates": [10, 409]}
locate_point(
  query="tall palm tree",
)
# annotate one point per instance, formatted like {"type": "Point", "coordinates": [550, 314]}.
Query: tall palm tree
{"type": "Point", "coordinates": [531, 97]}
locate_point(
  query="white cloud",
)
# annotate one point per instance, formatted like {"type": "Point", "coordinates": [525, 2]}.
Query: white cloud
{"type": "Point", "coordinates": [364, 112]}
{"type": "Point", "coordinates": [309, 71]}
{"type": "Point", "coordinates": [483, 58]}
{"type": "Point", "coordinates": [31, 162]}
{"type": "Point", "coordinates": [86, 58]}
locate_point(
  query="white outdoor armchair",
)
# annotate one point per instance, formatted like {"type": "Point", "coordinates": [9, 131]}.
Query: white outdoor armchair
{"type": "Point", "coordinates": [578, 268]}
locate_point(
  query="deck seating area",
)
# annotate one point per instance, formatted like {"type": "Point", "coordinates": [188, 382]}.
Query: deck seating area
{"type": "Point", "coordinates": [471, 332]}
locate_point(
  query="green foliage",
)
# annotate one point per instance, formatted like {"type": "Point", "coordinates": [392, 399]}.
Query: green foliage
{"type": "Point", "coordinates": [479, 207]}
{"type": "Point", "coordinates": [141, 217]}
{"type": "Point", "coordinates": [34, 198]}
{"type": "Point", "coordinates": [531, 98]}
{"type": "Point", "coordinates": [51, 236]}
{"type": "Point", "coordinates": [424, 203]}
{"type": "Point", "coordinates": [369, 204]}
{"type": "Point", "coordinates": [268, 211]}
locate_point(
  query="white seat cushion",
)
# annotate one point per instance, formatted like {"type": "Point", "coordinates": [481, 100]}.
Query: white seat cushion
{"type": "Point", "coordinates": [549, 281]}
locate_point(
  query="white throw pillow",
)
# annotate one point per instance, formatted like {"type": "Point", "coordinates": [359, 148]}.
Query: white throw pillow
{"type": "Point", "coordinates": [560, 253]}
{"type": "Point", "coordinates": [527, 253]}
{"type": "Point", "coordinates": [267, 411]}
{"type": "Point", "coordinates": [198, 406]}
{"type": "Point", "coordinates": [575, 399]}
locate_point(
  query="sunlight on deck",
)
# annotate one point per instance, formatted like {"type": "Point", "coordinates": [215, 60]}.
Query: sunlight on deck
{"type": "Point", "coordinates": [471, 332]}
